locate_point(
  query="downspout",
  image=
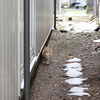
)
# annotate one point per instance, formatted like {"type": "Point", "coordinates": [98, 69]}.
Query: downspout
{"type": "Point", "coordinates": [26, 49]}
{"type": "Point", "coordinates": [55, 14]}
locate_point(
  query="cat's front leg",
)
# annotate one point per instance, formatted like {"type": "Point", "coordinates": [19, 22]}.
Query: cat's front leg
{"type": "Point", "coordinates": [45, 61]}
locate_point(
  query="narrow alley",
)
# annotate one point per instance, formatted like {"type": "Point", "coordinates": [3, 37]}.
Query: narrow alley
{"type": "Point", "coordinates": [75, 46]}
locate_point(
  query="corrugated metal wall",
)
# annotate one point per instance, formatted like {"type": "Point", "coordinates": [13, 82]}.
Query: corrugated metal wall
{"type": "Point", "coordinates": [43, 21]}
{"type": "Point", "coordinates": [9, 49]}
{"type": "Point", "coordinates": [11, 40]}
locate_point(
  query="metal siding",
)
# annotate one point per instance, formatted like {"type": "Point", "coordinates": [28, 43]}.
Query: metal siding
{"type": "Point", "coordinates": [80, 1]}
{"type": "Point", "coordinates": [9, 49]}
{"type": "Point", "coordinates": [31, 33]}
{"type": "Point", "coordinates": [21, 41]}
{"type": "Point", "coordinates": [43, 21]}
{"type": "Point", "coordinates": [32, 22]}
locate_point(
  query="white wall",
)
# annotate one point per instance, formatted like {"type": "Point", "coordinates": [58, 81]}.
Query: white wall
{"type": "Point", "coordinates": [9, 49]}
{"type": "Point", "coordinates": [43, 22]}
{"type": "Point", "coordinates": [68, 2]}
{"type": "Point", "coordinates": [64, 2]}
{"type": "Point", "coordinates": [11, 40]}
{"type": "Point", "coordinates": [73, 1]}
{"type": "Point", "coordinates": [80, 1]}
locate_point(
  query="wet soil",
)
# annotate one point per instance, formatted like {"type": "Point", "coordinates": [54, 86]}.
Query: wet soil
{"type": "Point", "coordinates": [49, 81]}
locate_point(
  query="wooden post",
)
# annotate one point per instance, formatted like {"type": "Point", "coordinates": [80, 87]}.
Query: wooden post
{"type": "Point", "coordinates": [96, 8]}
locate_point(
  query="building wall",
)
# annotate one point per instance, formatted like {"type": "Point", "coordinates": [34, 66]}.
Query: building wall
{"type": "Point", "coordinates": [9, 51]}
{"type": "Point", "coordinates": [11, 40]}
{"type": "Point", "coordinates": [43, 21]}
{"type": "Point", "coordinates": [80, 1]}
{"type": "Point", "coordinates": [73, 1]}
{"type": "Point", "coordinates": [70, 2]}
{"type": "Point", "coordinates": [64, 2]}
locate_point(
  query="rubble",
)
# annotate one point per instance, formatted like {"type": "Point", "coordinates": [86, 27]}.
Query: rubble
{"type": "Point", "coordinates": [69, 18]}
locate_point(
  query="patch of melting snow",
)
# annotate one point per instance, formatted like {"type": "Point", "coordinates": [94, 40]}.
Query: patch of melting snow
{"type": "Point", "coordinates": [96, 40]}
{"type": "Point", "coordinates": [74, 69]}
{"type": "Point", "coordinates": [73, 73]}
{"type": "Point", "coordinates": [76, 66]}
{"type": "Point", "coordinates": [33, 62]}
{"type": "Point", "coordinates": [75, 81]}
{"type": "Point", "coordinates": [74, 60]}
{"type": "Point", "coordinates": [79, 91]}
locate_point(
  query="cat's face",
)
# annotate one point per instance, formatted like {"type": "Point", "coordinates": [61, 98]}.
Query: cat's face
{"type": "Point", "coordinates": [46, 55]}
{"type": "Point", "coordinates": [47, 50]}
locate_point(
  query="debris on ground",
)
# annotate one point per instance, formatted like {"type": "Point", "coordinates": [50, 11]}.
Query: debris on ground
{"type": "Point", "coordinates": [58, 19]}
{"type": "Point", "coordinates": [91, 17]}
{"type": "Point", "coordinates": [69, 18]}
{"type": "Point", "coordinates": [55, 81]}
{"type": "Point", "coordinates": [62, 30]}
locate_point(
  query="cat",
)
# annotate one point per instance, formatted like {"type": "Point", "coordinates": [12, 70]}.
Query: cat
{"type": "Point", "coordinates": [46, 55]}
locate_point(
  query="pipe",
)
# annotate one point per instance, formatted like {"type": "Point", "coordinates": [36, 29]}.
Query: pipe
{"type": "Point", "coordinates": [26, 49]}
{"type": "Point", "coordinates": [55, 14]}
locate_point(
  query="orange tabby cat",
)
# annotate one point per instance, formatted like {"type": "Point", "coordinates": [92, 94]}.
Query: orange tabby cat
{"type": "Point", "coordinates": [46, 55]}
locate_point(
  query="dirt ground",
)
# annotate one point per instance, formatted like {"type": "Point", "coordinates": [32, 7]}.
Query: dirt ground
{"type": "Point", "coordinates": [49, 83]}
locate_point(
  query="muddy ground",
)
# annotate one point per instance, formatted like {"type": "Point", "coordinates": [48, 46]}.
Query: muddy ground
{"type": "Point", "coordinates": [49, 83]}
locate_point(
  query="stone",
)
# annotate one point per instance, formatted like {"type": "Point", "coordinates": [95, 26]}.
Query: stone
{"type": "Point", "coordinates": [79, 98]}
{"type": "Point", "coordinates": [69, 18]}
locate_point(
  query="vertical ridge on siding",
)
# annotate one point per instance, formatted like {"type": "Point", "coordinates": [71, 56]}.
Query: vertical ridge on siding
{"type": "Point", "coordinates": [1, 49]}
{"type": "Point", "coordinates": [9, 49]}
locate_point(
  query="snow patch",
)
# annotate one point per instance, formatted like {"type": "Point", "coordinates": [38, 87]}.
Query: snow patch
{"type": "Point", "coordinates": [74, 69]}
{"type": "Point", "coordinates": [73, 73]}
{"type": "Point", "coordinates": [96, 40]}
{"type": "Point", "coordinates": [79, 91]}
{"type": "Point", "coordinates": [74, 60]}
{"type": "Point", "coordinates": [75, 81]}
{"type": "Point", "coordinates": [33, 62]}
{"type": "Point", "coordinates": [76, 66]}
{"type": "Point", "coordinates": [31, 66]}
